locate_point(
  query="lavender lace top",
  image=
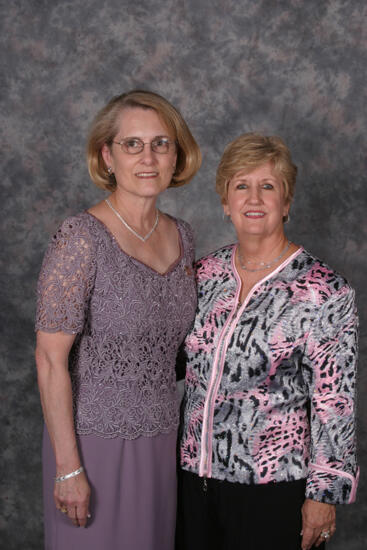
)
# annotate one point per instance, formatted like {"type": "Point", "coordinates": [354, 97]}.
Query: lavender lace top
{"type": "Point", "coordinates": [129, 321]}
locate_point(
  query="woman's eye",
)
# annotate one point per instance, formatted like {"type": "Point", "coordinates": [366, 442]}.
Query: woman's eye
{"type": "Point", "coordinates": [133, 143]}
{"type": "Point", "coordinates": [268, 186]}
{"type": "Point", "coordinates": [241, 186]}
{"type": "Point", "coordinates": [159, 142]}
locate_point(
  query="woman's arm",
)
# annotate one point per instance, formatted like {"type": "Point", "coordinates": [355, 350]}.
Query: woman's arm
{"type": "Point", "coordinates": [52, 353]}
{"type": "Point", "coordinates": [64, 288]}
{"type": "Point", "coordinates": [330, 365]}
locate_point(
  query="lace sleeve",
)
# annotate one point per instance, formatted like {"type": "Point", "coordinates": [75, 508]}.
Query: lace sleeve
{"type": "Point", "coordinates": [66, 279]}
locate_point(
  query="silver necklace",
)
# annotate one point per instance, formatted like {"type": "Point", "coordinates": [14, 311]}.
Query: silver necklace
{"type": "Point", "coordinates": [130, 228]}
{"type": "Point", "coordinates": [263, 265]}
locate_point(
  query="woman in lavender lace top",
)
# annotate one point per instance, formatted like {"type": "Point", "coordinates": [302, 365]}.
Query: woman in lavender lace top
{"type": "Point", "coordinates": [116, 296]}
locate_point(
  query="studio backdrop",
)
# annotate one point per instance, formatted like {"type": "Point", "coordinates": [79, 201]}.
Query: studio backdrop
{"type": "Point", "coordinates": [293, 68]}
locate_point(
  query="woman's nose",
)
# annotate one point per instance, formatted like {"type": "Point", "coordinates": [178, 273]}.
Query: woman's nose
{"type": "Point", "coordinates": [255, 194]}
{"type": "Point", "coordinates": [147, 155]}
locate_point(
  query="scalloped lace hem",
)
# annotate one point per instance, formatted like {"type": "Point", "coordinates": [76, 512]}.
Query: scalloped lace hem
{"type": "Point", "coordinates": [57, 329]}
{"type": "Point", "coordinates": [130, 437]}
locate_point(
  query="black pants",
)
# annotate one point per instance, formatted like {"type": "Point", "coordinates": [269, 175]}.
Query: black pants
{"type": "Point", "coordinates": [231, 516]}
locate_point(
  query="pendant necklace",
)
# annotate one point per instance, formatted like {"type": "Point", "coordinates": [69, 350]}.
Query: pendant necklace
{"type": "Point", "coordinates": [130, 228]}
{"type": "Point", "coordinates": [263, 265]}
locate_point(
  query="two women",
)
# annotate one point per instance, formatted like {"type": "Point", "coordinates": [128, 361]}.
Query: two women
{"type": "Point", "coordinates": [268, 436]}
{"type": "Point", "coordinates": [116, 297]}
{"type": "Point", "coordinates": [267, 446]}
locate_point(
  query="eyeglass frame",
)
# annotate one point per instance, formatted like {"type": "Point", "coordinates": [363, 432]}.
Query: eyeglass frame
{"type": "Point", "coordinates": [144, 143]}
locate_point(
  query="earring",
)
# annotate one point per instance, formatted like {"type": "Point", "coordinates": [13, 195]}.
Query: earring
{"type": "Point", "coordinates": [286, 218]}
{"type": "Point", "coordinates": [109, 171]}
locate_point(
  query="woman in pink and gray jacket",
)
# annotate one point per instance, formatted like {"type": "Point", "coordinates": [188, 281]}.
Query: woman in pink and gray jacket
{"type": "Point", "coordinates": [268, 433]}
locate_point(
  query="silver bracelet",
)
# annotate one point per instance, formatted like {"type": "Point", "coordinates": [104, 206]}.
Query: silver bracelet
{"type": "Point", "coordinates": [68, 476]}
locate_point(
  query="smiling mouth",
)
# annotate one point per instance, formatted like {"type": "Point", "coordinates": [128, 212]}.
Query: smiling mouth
{"type": "Point", "coordinates": [146, 174]}
{"type": "Point", "coordinates": [254, 215]}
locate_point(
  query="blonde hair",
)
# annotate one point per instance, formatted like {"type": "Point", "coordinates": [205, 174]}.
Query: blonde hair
{"type": "Point", "coordinates": [104, 129]}
{"type": "Point", "coordinates": [250, 151]}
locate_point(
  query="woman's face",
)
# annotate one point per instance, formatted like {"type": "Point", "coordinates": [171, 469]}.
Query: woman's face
{"type": "Point", "coordinates": [256, 203]}
{"type": "Point", "coordinates": [144, 174]}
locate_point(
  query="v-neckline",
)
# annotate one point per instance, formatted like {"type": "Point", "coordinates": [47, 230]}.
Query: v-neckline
{"type": "Point", "coordinates": [170, 268]}
{"type": "Point", "coordinates": [261, 281]}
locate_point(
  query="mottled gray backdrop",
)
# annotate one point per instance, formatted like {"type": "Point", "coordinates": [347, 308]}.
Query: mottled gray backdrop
{"type": "Point", "coordinates": [296, 68]}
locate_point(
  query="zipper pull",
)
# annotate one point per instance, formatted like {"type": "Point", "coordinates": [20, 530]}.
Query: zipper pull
{"type": "Point", "coordinates": [205, 485]}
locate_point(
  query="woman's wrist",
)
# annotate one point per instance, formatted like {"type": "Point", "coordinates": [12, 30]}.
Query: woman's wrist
{"type": "Point", "coordinates": [64, 477]}
{"type": "Point", "coordinates": [67, 457]}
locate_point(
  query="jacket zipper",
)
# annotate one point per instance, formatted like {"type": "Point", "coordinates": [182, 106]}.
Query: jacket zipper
{"type": "Point", "coordinates": [205, 460]}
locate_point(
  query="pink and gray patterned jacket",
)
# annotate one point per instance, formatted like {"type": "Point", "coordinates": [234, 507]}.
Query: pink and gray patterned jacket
{"type": "Point", "coordinates": [270, 385]}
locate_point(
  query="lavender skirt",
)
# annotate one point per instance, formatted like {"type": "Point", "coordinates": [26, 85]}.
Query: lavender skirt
{"type": "Point", "coordinates": [133, 502]}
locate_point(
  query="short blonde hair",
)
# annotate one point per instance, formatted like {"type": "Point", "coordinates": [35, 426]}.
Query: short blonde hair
{"type": "Point", "coordinates": [104, 129]}
{"type": "Point", "coordinates": [250, 151]}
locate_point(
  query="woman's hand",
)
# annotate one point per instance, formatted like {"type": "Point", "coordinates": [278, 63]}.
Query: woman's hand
{"type": "Point", "coordinates": [72, 498]}
{"type": "Point", "coordinates": [317, 518]}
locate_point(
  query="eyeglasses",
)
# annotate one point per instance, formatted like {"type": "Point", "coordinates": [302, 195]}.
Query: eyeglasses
{"type": "Point", "coordinates": [133, 146]}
